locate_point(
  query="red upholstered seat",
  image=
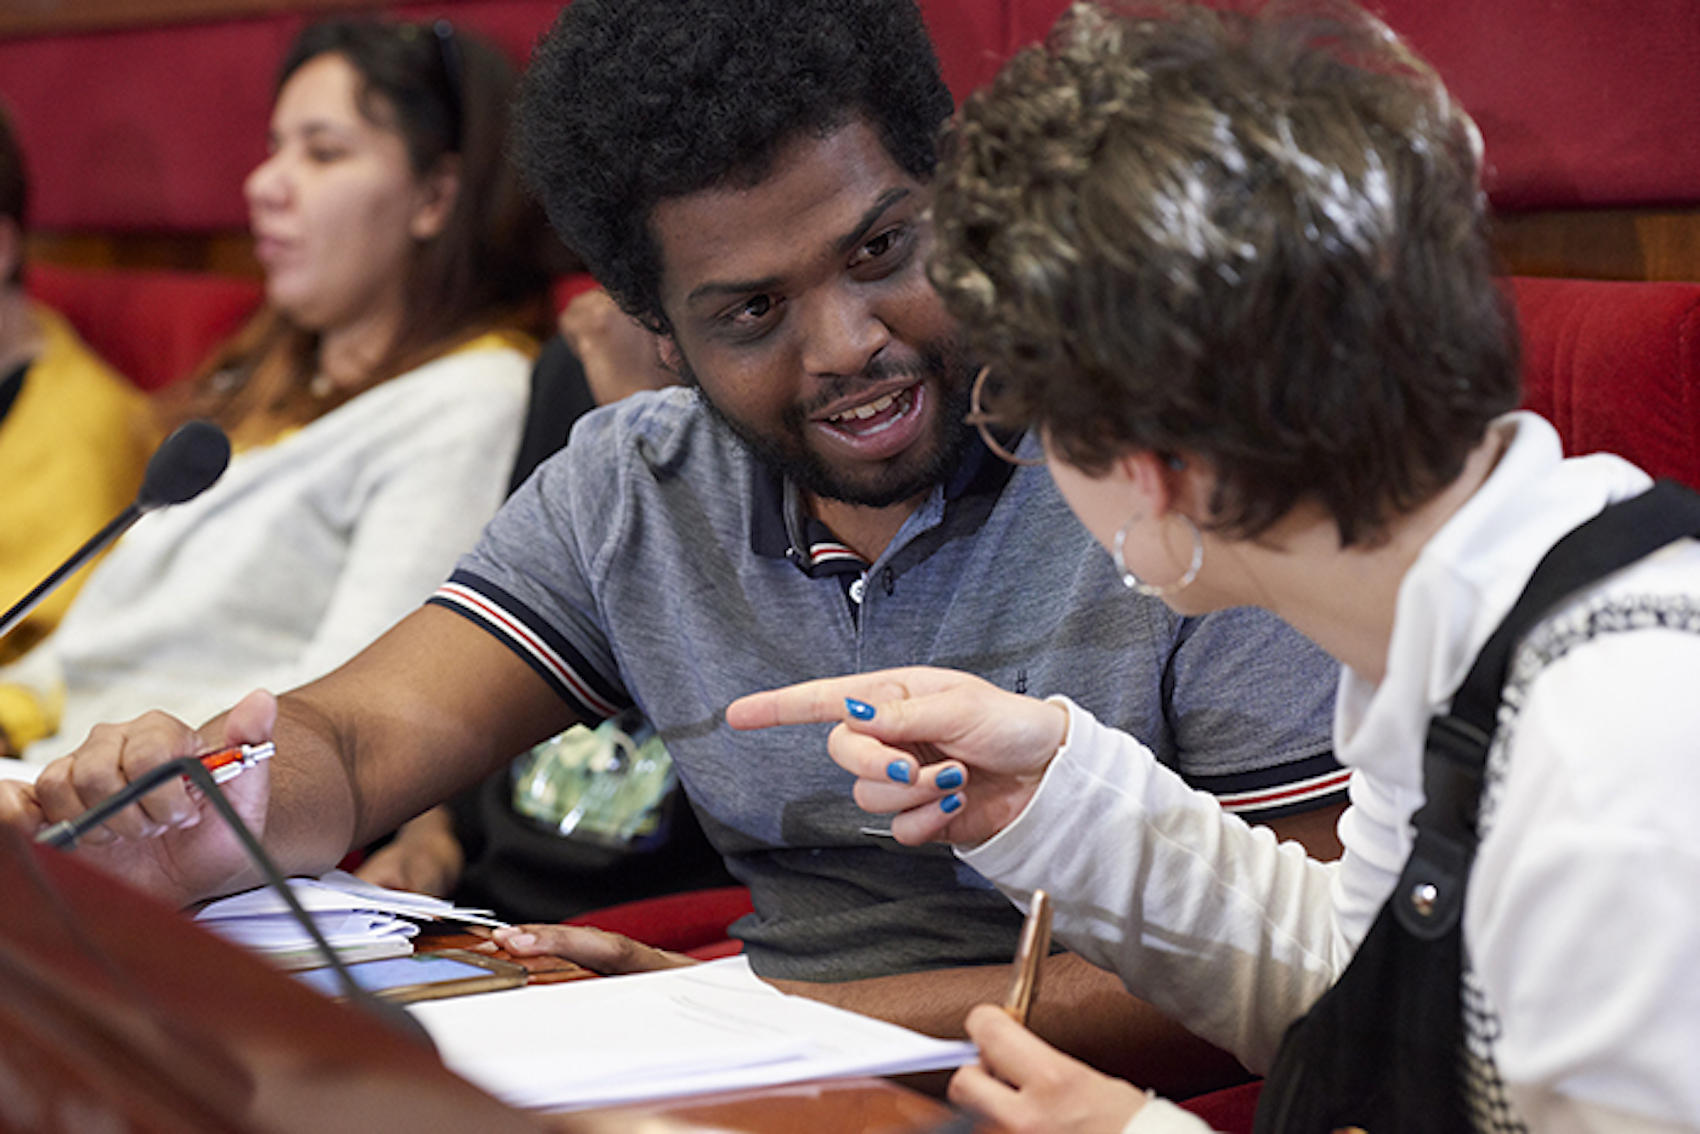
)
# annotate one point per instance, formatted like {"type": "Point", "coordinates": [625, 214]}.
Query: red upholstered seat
{"type": "Point", "coordinates": [1616, 368]}
{"type": "Point", "coordinates": [1230, 1110]}
{"type": "Point", "coordinates": [693, 922]}
{"type": "Point", "coordinates": [153, 326]}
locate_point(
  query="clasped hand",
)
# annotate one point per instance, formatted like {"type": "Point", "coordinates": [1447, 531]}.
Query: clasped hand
{"type": "Point", "coordinates": [950, 756]}
{"type": "Point", "coordinates": [166, 844]}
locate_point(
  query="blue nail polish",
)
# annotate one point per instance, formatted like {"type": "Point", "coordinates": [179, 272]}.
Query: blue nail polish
{"type": "Point", "coordinates": [861, 710]}
{"type": "Point", "coordinates": [898, 771]}
{"type": "Point", "coordinates": [949, 779]}
{"type": "Point", "coordinates": [950, 803]}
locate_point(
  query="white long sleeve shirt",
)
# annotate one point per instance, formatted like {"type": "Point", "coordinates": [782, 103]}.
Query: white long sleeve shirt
{"type": "Point", "coordinates": [1582, 920]}
{"type": "Point", "coordinates": [301, 554]}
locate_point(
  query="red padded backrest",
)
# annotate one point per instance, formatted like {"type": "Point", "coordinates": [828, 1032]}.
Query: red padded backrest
{"type": "Point", "coordinates": [153, 326]}
{"type": "Point", "coordinates": [1616, 368]}
{"type": "Point", "coordinates": [153, 128]}
{"type": "Point", "coordinates": [1579, 104]}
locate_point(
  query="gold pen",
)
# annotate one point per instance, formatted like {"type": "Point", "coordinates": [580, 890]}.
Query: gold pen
{"type": "Point", "coordinates": [1034, 947]}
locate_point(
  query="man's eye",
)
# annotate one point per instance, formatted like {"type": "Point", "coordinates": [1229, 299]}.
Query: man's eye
{"type": "Point", "coordinates": [752, 310]}
{"type": "Point", "coordinates": [880, 247]}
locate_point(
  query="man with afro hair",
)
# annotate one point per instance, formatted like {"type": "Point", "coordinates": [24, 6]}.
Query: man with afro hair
{"type": "Point", "coordinates": [751, 179]}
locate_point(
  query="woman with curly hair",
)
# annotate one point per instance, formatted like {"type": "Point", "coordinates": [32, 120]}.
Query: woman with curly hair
{"type": "Point", "coordinates": [1233, 271]}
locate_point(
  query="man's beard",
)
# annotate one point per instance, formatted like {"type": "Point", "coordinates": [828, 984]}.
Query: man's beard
{"type": "Point", "coordinates": [929, 462]}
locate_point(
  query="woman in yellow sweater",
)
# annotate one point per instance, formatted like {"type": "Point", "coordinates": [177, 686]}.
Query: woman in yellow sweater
{"type": "Point", "coordinates": [74, 435]}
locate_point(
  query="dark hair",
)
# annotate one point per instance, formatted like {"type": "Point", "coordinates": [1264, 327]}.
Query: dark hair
{"type": "Point", "coordinates": [14, 184]}
{"type": "Point", "coordinates": [1257, 238]}
{"type": "Point", "coordinates": [631, 102]}
{"type": "Point", "coordinates": [446, 94]}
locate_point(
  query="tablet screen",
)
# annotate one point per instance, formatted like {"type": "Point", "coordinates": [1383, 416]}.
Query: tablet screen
{"type": "Point", "coordinates": [417, 976]}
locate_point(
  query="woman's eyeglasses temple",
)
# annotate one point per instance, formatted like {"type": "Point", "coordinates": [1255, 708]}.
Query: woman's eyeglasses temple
{"type": "Point", "coordinates": [448, 53]}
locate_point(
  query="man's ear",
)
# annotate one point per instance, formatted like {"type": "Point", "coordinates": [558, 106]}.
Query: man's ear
{"type": "Point", "coordinates": [671, 358]}
{"type": "Point", "coordinates": [435, 199]}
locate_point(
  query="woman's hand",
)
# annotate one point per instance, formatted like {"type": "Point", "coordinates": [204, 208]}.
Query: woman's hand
{"type": "Point", "coordinates": [598, 950]}
{"type": "Point", "coordinates": [424, 857]}
{"type": "Point", "coordinates": [1026, 1085]}
{"type": "Point", "coordinates": [950, 755]}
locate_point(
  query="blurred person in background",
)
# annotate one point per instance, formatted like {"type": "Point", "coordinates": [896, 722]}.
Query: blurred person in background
{"type": "Point", "coordinates": [74, 434]}
{"type": "Point", "coordinates": [375, 403]}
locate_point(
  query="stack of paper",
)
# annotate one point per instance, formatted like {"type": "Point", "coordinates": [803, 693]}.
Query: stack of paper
{"type": "Point", "coordinates": [708, 1027]}
{"type": "Point", "coordinates": [358, 920]}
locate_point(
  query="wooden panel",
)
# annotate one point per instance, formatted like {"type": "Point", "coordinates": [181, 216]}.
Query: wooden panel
{"type": "Point", "coordinates": [227, 253]}
{"type": "Point", "coordinates": [1604, 244]}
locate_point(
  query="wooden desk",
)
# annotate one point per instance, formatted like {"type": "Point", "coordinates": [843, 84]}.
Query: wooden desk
{"type": "Point", "coordinates": [848, 1106]}
{"type": "Point", "coordinates": [116, 1013]}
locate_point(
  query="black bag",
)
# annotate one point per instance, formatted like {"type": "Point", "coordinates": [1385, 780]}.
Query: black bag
{"type": "Point", "coordinates": [1383, 1048]}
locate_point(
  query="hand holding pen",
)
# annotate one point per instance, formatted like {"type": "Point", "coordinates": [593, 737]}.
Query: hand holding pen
{"type": "Point", "coordinates": [1022, 1082]}
{"type": "Point", "coordinates": [1030, 952]}
{"type": "Point", "coordinates": [161, 843]}
{"type": "Point", "coordinates": [228, 763]}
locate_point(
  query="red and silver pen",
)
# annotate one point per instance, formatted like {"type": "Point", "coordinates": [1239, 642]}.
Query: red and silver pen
{"type": "Point", "coordinates": [228, 763]}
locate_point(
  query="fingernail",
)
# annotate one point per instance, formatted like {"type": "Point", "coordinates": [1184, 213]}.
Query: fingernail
{"type": "Point", "coordinates": [898, 770]}
{"type": "Point", "coordinates": [861, 710]}
{"type": "Point", "coordinates": [949, 778]}
{"type": "Point", "coordinates": [950, 803]}
{"type": "Point", "coordinates": [522, 939]}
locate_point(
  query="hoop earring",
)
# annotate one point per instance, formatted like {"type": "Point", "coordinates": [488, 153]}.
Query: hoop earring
{"type": "Point", "coordinates": [1156, 590]}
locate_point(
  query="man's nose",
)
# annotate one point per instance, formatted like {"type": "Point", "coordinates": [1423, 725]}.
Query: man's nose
{"type": "Point", "coordinates": [842, 333]}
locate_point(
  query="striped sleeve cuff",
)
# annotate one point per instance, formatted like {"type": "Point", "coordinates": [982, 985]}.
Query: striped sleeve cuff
{"type": "Point", "coordinates": [542, 647]}
{"type": "Point", "coordinates": [1272, 793]}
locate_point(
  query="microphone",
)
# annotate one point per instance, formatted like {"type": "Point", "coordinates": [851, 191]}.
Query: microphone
{"type": "Point", "coordinates": [185, 465]}
{"type": "Point", "coordinates": [65, 834]}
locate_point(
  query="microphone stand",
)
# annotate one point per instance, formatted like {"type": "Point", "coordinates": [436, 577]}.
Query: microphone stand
{"type": "Point", "coordinates": [65, 834]}
{"type": "Point", "coordinates": [88, 551]}
{"type": "Point", "coordinates": [185, 465]}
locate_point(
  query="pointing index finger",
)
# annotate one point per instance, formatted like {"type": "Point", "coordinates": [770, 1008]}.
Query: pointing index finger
{"type": "Point", "coordinates": [811, 702]}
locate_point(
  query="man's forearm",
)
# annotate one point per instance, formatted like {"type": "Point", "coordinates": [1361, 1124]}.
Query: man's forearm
{"type": "Point", "coordinates": [1080, 1009]}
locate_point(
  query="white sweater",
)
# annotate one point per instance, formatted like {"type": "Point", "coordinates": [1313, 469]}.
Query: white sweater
{"type": "Point", "coordinates": [1583, 915]}
{"type": "Point", "coordinates": [301, 554]}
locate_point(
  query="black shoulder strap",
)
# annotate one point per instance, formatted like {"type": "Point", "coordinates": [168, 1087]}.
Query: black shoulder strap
{"type": "Point", "coordinates": [1430, 893]}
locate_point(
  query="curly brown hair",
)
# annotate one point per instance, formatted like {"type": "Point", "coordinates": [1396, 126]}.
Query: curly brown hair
{"type": "Point", "coordinates": [1257, 238]}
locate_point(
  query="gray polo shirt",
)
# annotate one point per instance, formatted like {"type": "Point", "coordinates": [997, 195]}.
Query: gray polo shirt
{"type": "Point", "coordinates": [654, 561]}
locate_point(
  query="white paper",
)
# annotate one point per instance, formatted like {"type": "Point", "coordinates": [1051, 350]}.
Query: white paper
{"type": "Point", "coordinates": [357, 919]}
{"type": "Point", "coordinates": [281, 932]}
{"type": "Point", "coordinates": [342, 891]}
{"type": "Point", "coordinates": [12, 768]}
{"type": "Point", "coordinates": [708, 1027]}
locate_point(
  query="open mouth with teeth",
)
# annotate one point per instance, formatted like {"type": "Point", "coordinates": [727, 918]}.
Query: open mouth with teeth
{"type": "Point", "coordinates": [876, 416]}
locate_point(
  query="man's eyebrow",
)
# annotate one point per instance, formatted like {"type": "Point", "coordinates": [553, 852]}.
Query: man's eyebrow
{"type": "Point", "coordinates": [845, 243]}
{"type": "Point", "coordinates": [870, 218]}
{"type": "Point", "coordinates": [733, 287]}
